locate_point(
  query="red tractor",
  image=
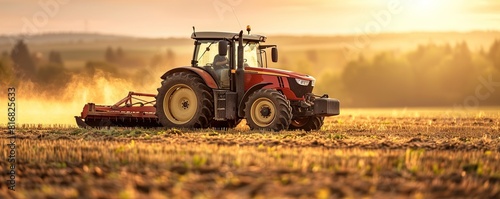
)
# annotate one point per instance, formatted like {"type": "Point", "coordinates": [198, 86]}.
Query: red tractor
{"type": "Point", "coordinates": [228, 81]}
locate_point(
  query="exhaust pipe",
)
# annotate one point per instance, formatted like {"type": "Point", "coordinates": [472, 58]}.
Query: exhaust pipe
{"type": "Point", "coordinates": [240, 71]}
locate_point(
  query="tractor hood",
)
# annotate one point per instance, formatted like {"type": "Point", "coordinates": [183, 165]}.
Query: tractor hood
{"type": "Point", "coordinates": [279, 72]}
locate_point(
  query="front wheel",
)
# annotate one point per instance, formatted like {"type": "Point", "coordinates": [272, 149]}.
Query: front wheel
{"type": "Point", "coordinates": [268, 110]}
{"type": "Point", "coordinates": [312, 123]}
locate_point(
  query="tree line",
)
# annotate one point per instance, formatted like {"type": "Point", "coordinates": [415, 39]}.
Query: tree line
{"type": "Point", "coordinates": [49, 75]}
{"type": "Point", "coordinates": [430, 75]}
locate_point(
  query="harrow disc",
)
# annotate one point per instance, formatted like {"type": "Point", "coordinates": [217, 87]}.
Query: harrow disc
{"type": "Point", "coordinates": [101, 122]}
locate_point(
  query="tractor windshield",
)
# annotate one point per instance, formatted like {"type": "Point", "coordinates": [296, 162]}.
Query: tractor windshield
{"type": "Point", "coordinates": [251, 56]}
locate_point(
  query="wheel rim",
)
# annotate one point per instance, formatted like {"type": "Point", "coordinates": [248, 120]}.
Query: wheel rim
{"type": "Point", "coordinates": [180, 104]}
{"type": "Point", "coordinates": [263, 112]}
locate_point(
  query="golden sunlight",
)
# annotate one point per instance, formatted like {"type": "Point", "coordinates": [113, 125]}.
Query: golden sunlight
{"type": "Point", "coordinates": [429, 7]}
{"type": "Point", "coordinates": [431, 15]}
{"type": "Point", "coordinates": [426, 4]}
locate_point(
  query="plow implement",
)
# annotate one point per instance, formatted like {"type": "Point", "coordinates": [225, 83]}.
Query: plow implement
{"type": "Point", "coordinates": [135, 110]}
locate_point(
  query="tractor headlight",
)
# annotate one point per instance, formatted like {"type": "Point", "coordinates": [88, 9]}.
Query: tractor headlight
{"type": "Point", "coordinates": [302, 82]}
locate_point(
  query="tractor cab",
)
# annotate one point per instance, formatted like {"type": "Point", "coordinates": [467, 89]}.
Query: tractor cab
{"type": "Point", "coordinates": [207, 54]}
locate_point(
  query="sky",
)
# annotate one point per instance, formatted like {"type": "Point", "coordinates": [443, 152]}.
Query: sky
{"type": "Point", "coordinates": [175, 18]}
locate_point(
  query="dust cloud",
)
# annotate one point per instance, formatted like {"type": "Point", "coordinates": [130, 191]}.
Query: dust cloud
{"type": "Point", "coordinates": [59, 105]}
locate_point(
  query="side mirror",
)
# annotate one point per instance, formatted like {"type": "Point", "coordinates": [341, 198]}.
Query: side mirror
{"type": "Point", "coordinates": [223, 47]}
{"type": "Point", "coordinates": [274, 54]}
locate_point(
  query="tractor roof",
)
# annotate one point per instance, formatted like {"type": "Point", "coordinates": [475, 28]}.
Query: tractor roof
{"type": "Point", "coordinates": [227, 35]}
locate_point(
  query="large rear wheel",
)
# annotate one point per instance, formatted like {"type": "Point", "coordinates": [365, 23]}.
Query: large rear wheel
{"type": "Point", "coordinates": [268, 110]}
{"type": "Point", "coordinates": [312, 123]}
{"type": "Point", "coordinates": [184, 101]}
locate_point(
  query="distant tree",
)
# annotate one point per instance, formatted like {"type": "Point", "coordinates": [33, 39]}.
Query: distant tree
{"type": "Point", "coordinates": [494, 54]}
{"type": "Point", "coordinates": [163, 60]}
{"type": "Point", "coordinates": [119, 54]}
{"type": "Point", "coordinates": [52, 78]}
{"type": "Point", "coordinates": [55, 58]}
{"type": "Point", "coordinates": [23, 62]}
{"type": "Point", "coordinates": [385, 80]}
{"type": "Point", "coordinates": [110, 55]}
{"type": "Point", "coordinates": [92, 67]}
{"type": "Point", "coordinates": [462, 51]}
{"type": "Point", "coordinates": [1, 67]}
{"type": "Point", "coordinates": [7, 73]}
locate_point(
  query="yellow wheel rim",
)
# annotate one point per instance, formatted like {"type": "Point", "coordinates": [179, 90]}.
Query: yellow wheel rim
{"type": "Point", "coordinates": [180, 104]}
{"type": "Point", "coordinates": [263, 112]}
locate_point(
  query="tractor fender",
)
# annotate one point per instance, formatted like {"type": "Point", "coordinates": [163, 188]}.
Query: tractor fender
{"type": "Point", "coordinates": [241, 106]}
{"type": "Point", "coordinates": [207, 78]}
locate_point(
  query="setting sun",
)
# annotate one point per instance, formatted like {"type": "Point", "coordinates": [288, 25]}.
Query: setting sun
{"type": "Point", "coordinates": [432, 7]}
{"type": "Point", "coordinates": [433, 15]}
{"type": "Point", "coordinates": [425, 5]}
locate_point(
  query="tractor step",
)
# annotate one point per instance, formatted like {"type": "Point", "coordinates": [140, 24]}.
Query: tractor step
{"type": "Point", "coordinates": [225, 105]}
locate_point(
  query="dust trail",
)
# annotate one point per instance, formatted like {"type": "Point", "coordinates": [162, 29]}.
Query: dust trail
{"type": "Point", "coordinates": [59, 106]}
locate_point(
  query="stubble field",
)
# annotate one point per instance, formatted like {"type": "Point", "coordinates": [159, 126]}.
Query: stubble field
{"type": "Point", "coordinates": [361, 154]}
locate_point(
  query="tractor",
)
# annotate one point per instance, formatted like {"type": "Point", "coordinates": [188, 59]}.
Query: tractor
{"type": "Point", "coordinates": [228, 80]}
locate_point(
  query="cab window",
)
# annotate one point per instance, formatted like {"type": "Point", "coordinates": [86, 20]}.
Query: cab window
{"type": "Point", "coordinates": [207, 50]}
{"type": "Point", "coordinates": [251, 55]}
